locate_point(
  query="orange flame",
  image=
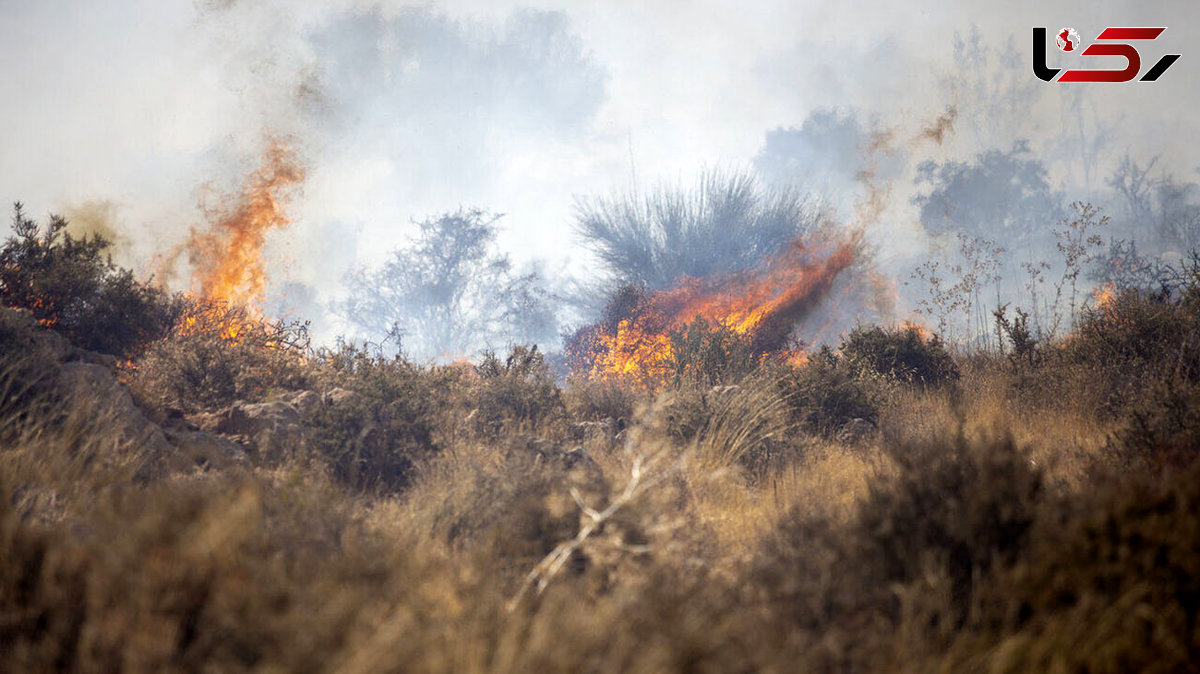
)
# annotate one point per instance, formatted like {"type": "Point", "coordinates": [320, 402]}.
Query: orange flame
{"type": "Point", "coordinates": [1104, 296]}
{"type": "Point", "coordinates": [228, 257]}
{"type": "Point", "coordinates": [763, 304]}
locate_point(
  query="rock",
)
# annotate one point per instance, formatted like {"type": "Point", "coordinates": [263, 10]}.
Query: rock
{"type": "Point", "coordinates": [207, 451]}
{"type": "Point", "coordinates": [111, 398]}
{"type": "Point", "coordinates": [340, 396]}
{"type": "Point", "coordinates": [272, 428]}
{"type": "Point", "coordinates": [855, 431]}
{"type": "Point", "coordinates": [307, 402]}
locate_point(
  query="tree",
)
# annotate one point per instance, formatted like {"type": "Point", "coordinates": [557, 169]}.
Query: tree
{"type": "Point", "coordinates": [449, 292]}
{"type": "Point", "coordinates": [1002, 196]}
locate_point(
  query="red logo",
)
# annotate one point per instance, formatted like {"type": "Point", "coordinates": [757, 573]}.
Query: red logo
{"type": "Point", "coordinates": [1114, 38]}
{"type": "Point", "coordinates": [1068, 39]}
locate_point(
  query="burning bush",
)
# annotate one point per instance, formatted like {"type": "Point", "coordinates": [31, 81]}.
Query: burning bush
{"type": "Point", "coordinates": [729, 222]}
{"type": "Point", "coordinates": [906, 353]}
{"type": "Point", "coordinates": [736, 317]}
{"type": "Point", "coordinates": [707, 354]}
{"type": "Point", "coordinates": [1134, 338]}
{"type": "Point", "coordinates": [70, 286]}
{"type": "Point", "coordinates": [219, 354]}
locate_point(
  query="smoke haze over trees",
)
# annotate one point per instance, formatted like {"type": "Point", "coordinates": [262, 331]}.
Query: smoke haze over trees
{"type": "Point", "coordinates": [543, 114]}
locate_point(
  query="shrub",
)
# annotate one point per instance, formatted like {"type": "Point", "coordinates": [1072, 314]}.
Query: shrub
{"type": "Point", "coordinates": [220, 354]}
{"type": "Point", "coordinates": [1133, 339]}
{"type": "Point", "coordinates": [904, 353]}
{"type": "Point", "coordinates": [374, 438]}
{"type": "Point", "coordinates": [709, 354]}
{"type": "Point", "coordinates": [903, 575]}
{"type": "Point", "coordinates": [1111, 582]}
{"type": "Point", "coordinates": [518, 391]}
{"type": "Point", "coordinates": [825, 393]}
{"type": "Point", "coordinates": [28, 371]}
{"type": "Point", "coordinates": [72, 287]}
{"type": "Point", "coordinates": [598, 398]}
{"type": "Point", "coordinates": [955, 509]}
{"type": "Point", "coordinates": [727, 223]}
{"type": "Point", "coordinates": [1161, 427]}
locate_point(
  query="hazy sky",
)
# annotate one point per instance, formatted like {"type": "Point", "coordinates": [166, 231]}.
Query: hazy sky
{"type": "Point", "coordinates": [403, 111]}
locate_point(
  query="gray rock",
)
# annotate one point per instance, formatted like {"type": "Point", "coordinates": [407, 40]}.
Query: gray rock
{"type": "Point", "coordinates": [112, 399]}
{"type": "Point", "coordinates": [586, 430]}
{"type": "Point", "coordinates": [273, 429]}
{"type": "Point", "coordinates": [207, 451]}
{"type": "Point", "coordinates": [307, 402]}
{"type": "Point", "coordinates": [340, 396]}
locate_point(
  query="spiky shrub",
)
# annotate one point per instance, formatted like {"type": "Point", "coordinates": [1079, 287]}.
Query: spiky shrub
{"type": "Point", "coordinates": [902, 353]}
{"type": "Point", "coordinates": [71, 286]}
{"type": "Point", "coordinates": [826, 393]}
{"type": "Point", "coordinates": [727, 222]}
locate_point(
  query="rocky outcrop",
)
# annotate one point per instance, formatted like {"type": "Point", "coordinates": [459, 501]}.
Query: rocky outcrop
{"type": "Point", "coordinates": [111, 399]}
{"type": "Point", "coordinates": [273, 430]}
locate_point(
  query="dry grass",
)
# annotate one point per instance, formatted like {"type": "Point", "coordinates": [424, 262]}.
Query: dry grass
{"type": "Point", "coordinates": [988, 525]}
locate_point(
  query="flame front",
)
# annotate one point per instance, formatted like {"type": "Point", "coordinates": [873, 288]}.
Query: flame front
{"type": "Point", "coordinates": [228, 257]}
{"type": "Point", "coordinates": [763, 304]}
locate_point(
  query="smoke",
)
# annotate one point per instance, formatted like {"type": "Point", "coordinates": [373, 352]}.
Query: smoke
{"type": "Point", "coordinates": [403, 113]}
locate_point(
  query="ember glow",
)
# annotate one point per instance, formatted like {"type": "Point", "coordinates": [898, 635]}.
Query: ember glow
{"type": "Point", "coordinates": [227, 258]}
{"type": "Point", "coordinates": [764, 304]}
{"type": "Point", "coordinates": [1104, 296]}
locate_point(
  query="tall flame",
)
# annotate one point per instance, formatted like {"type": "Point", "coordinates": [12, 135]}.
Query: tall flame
{"type": "Point", "coordinates": [228, 257]}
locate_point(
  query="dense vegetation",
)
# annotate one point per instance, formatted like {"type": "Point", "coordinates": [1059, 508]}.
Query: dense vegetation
{"type": "Point", "coordinates": [250, 503]}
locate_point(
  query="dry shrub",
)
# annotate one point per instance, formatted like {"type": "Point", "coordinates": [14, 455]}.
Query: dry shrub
{"type": "Point", "coordinates": [826, 393]}
{"type": "Point", "coordinates": [376, 436]}
{"type": "Point", "coordinates": [1134, 339]}
{"type": "Point", "coordinates": [219, 354]}
{"type": "Point", "coordinates": [517, 393]}
{"type": "Point", "coordinates": [600, 398]}
{"type": "Point", "coordinates": [1111, 582]}
{"type": "Point", "coordinates": [904, 572]}
{"type": "Point", "coordinates": [902, 353]}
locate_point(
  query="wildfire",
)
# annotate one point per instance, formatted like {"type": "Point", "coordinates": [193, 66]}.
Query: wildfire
{"type": "Point", "coordinates": [763, 304]}
{"type": "Point", "coordinates": [1104, 296]}
{"type": "Point", "coordinates": [228, 257]}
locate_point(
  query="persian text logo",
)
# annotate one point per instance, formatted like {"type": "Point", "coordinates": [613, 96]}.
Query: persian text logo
{"type": "Point", "coordinates": [1110, 42]}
